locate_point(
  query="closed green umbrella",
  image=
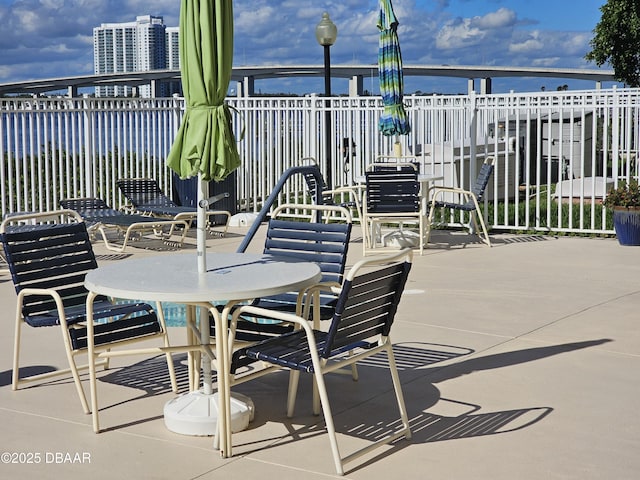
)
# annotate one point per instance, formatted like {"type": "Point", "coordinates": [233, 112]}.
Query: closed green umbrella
{"type": "Point", "coordinates": [393, 120]}
{"type": "Point", "coordinates": [205, 145]}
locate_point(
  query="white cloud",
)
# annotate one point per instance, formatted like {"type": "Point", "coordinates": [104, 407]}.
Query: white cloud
{"type": "Point", "coordinates": [60, 48]}
{"type": "Point", "coordinates": [52, 4]}
{"type": "Point", "coordinates": [5, 71]}
{"type": "Point", "coordinates": [459, 35]}
{"type": "Point", "coordinates": [29, 20]}
{"type": "Point", "coordinates": [261, 18]}
{"type": "Point", "coordinates": [530, 45]}
{"type": "Point", "coordinates": [467, 32]}
{"type": "Point", "coordinates": [576, 43]}
{"type": "Point", "coordinates": [501, 18]}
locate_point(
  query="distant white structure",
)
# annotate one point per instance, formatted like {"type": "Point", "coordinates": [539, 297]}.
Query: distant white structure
{"type": "Point", "coordinates": [140, 46]}
{"type": "Point", "coordinates": [172, 48]}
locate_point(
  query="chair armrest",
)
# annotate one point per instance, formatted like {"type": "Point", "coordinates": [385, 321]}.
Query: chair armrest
{"type": "Point", "coordinates": [306, 296]}
{"type": "Point", "coordinates": [436, 190]}
{"type": "Point", "coordinates": [25, 292]}
{"type": "Point", "coordinates": [271, 314]}
{"type": "Point", "coordinates": [352, 189]}
{"type": "Point", "coordinates": [439, 191]}
{"type": "Point", "coordinates": [333, 287]}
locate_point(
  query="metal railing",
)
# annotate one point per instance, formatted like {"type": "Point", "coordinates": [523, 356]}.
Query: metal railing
{"type": "Point", "coordinates": [556, 152]}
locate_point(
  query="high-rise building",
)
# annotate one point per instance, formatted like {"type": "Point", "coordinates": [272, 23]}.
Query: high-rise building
{"type": "Point", "coordinates": [140, 46]}
{"type": "Point", "coordinates": [173, 58]}
{"type": "Point", "coordinates": [172, 48]}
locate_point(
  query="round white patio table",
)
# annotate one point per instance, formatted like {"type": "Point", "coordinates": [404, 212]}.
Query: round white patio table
{"type": "Point", "coordinates": [230, 278]}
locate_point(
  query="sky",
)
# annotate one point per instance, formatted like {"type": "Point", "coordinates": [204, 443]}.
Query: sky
{"type": "Point", "coordinates": [54, 38]}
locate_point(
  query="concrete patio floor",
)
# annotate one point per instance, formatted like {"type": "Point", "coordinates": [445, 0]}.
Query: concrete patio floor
{"type": "Point", "coordinates": [519, 361]}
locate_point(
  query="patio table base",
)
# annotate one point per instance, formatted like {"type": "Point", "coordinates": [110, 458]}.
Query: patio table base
{"type": "Point", "coordinates": [196, 413]}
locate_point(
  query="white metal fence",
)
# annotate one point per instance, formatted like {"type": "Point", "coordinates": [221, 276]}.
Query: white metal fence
{"type": "Point", "coordinates": [556, 152]}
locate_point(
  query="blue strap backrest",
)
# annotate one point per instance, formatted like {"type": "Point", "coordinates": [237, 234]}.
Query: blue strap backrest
{"type": "Point", "coordinates": [366, 307]}
{"type": "Point", "coordinates": [49, 256]}
{"type": "Point", "coordinates": [143, 192]}
{"type": "Point", "coordinates": [482, 180]}
{"type": "Point", "coordinates": [84, 204]}
{"type": "Point", "coordinates": [312, 185]}
{"type": "Point", "coordinates": [392, 191]}
{"type": "Point", "coordinates": [323, 243]}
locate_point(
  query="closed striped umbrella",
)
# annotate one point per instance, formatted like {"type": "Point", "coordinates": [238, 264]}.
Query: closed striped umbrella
{"type": "Point", "coordinates": [394, 119]}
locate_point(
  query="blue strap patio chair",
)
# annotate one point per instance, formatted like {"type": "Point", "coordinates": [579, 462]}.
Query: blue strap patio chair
{"type": "Point", "coordinates": [49, 255]}
{"type": "Point", "coordinates": [464, 200]}
{"type": "Point", "coordinates": [324, 244]}
{"type": "Point", "coordinates": [335, 196]}
{"type": "Point", "coordinates": [311, 241]}
{"type": "Point", "coordinates": [360, 328]}
{"type": "Point", "coordinates": [147, 198]}
{"type": "Point", "coordinates": [99, 216]}
{"type": "Point", "coordinates": [392, 196]}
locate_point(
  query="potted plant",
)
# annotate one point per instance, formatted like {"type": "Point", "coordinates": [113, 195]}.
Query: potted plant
{"type": "Point", "coordinates": [624, 200]}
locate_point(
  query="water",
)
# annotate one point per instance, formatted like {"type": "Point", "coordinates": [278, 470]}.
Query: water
{"type": "Point", "coordinates": [175, 314]}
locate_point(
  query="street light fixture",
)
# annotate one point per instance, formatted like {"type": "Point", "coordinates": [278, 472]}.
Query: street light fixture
{"type": "Point", "coordinates": [326, 34]}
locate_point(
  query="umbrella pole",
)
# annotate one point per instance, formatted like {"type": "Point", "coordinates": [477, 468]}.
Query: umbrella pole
{"type": "Point", "coordinates": [201, 238]}
{"type": "Point", "coordinates": [201, 245]}
{"type": "Point", "coordinates": [397, 147]}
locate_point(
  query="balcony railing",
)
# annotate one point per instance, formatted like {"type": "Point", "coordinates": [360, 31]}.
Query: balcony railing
{"type": "Point", "coordinates": [556, 153]}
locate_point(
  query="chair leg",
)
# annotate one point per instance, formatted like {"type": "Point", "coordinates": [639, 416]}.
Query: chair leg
{"type": "Point", "coordinates": [358, 209]}
{"type": "Point", "coordinates": [480, 218]}
{"type": "Point", "coordinates": [354, 368]}
{"type": "Point", "coordinates": [397, 386]}
{"type": "Point", "coordinates": [294, 377]}
{"type": "Point", "coordinates": [365, 234]}
{"type": "Point", "coordinates": [432, 210]}
{"type": "Point", "coordinates": [485, 235]}
{"type": "Point", "coordinates": [328, 419]}
{"type": "Point", "coordinates": [421, 233]}
{"type": "Point", "coordinates": [94, 387]}
{"type": "Point", "coordinates": [172, 372]}
{"type": "Point", "coordinates": [169, 357]}
{"type": "Point", "coordinates": [16, 350]}
{"type": "Point", "coordinates": [73, 368]}
{"type": "Point", "coordinates": [76, 380]}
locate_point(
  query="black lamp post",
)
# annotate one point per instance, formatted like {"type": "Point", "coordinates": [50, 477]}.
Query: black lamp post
{"type": "Point", "coordinates": [326, 34]}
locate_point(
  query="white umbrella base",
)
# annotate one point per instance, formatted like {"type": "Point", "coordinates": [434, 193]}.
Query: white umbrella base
{"type": "Point", "coordinates": [401, 239]}
{"type": "Point", "coordinates": [243, 219]}
{"type": "Point", "coordinates": [196, 413]}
